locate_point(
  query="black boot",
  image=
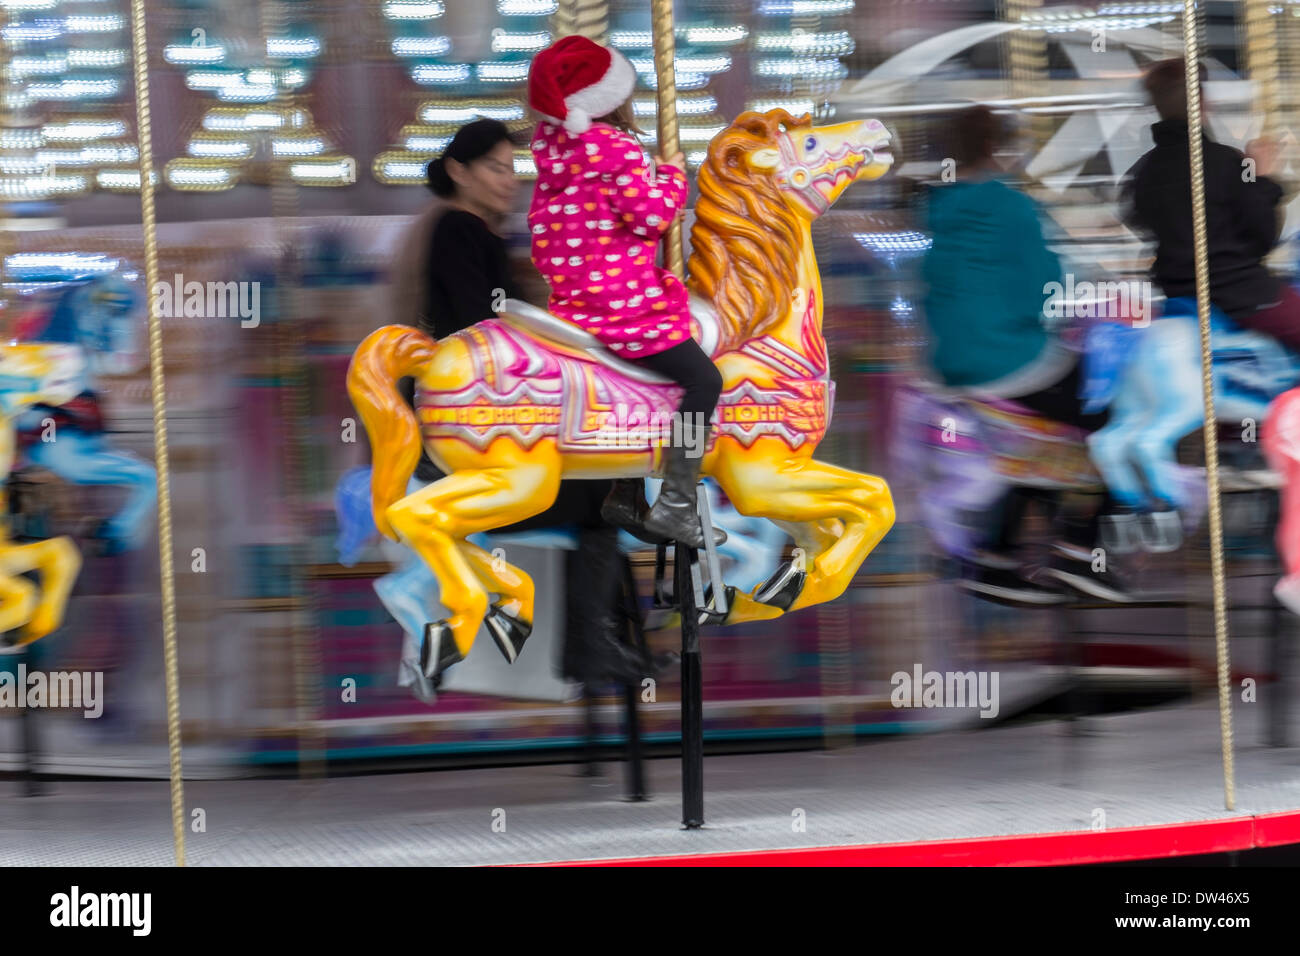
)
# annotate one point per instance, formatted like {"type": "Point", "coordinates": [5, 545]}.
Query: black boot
{"type": "Point", "coordinates": [625, 507]}
{"type": "Point", "coordinates": [615, 660]}
{"type": "Point", "coordinates": [675, 514]}
{"type": "Point", "coordinates": [594, 652]}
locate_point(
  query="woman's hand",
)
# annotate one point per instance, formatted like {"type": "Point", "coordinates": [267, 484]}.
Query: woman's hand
{"type": "Point", "coordinates": [1265, 151]}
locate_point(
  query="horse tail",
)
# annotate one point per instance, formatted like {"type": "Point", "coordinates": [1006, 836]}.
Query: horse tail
{"type": "Point", "coordinates": [386, 355]}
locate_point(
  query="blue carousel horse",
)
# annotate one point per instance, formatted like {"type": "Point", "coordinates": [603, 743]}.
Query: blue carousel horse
{"type": "Point", "coordinates": [967, 453]}
{"type": "Point", "coordinates": [410, 593]}
{"type": "Point", "coordinates": [99, 316]}
{"type": "Point", "coordinates": [1156, 400]}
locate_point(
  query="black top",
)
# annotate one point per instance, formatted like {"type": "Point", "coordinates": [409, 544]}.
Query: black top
{"type": "Point", "coordinates": [468, 272]}
{"type": "Point", "coordinates": [1241, 220]}
{"type": "Point", "coordinates": [467, 265]}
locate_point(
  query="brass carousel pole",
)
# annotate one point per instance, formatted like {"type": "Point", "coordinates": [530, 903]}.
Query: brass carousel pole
{"type": "Point", "coordinates": [666, 96]}
{"type": "Point", "coordinates": [1192, 64]}
{"type": "Point", "coordinates": [1027, 63]}
{"type": "Point", "coordinates": [1261, 61]}
{"type": "Point", "coordinates": [158, 386]}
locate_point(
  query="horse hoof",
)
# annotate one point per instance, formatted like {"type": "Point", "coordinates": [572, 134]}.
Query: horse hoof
{"type": "Point", "coordinates": [1162, 532]}
{"type": "Point", "coordinates": [508, 632]}
{"type": "Point", "coordinates": [783, 588]}
{"type": "Point", "coordinates": [421, 687]}
{"type": "Point", "coordinates": [439, 651]}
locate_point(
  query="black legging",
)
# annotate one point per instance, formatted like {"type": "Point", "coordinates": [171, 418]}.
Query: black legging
{"type": "Point", "coordinates": [1059, 402]}
{"type": "Point", "coordinates": [688, 366]}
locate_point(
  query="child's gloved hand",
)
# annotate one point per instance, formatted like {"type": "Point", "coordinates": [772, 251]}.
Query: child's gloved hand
{"type": "Point", "coordinates": [677, 159]}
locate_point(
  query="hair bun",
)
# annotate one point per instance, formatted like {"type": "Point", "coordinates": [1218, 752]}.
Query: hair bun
{"type": "Point", "coordinates": [439, 181]}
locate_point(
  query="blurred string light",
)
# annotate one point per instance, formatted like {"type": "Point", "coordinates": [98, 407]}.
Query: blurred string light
{"type": "Point", "coordinates": [712, 63]}
{"type": "Point", "coordinates": [495, 87]}
{"type": "Point", "coordinates": [837, 43]}
{"type": "Point", "coordinates": [412, 9]}
{"type": "Point", "coordinates": [254, 127]}
{"type": "Point", "coordinates": [421, 46]}
{"type": "Point", "coordinates": [47, 265]}
{"type": "Point", "coordinates": [527, 8]}
{"type": "Point", "coordinates": [503, 72]}
{"type": "Point", "coordinates": [82, 130]}
{"type": "Point", "coordinates": [694, 36]}
{"type": "Point", "coordinates": [295, 48]}
{"type": "Point", "coordinates": [795, 107]}
{"type": "Point", "coordinates": [492, 88]}
{"type": "Point", "coordinates": [904, 242]}
{"type": "Point", "coordinates": [54, 60]}
{"type": "Point", "coordinates": [185, 54]}
{"type": "Point", "coordinates": [433, 74]}
{"type": "Point", "coordinates": [803, 8]}
{"type": "Point", "coordinates": [1111, 16]}
{"type": "Point", "coordinates": [459, 114]}
{"type": "Point", "coordinates": [503, 42]}
{"type": "Point", "coordinates": [697, 104]}
{"type": "Point", "coordinates": [95, 24]}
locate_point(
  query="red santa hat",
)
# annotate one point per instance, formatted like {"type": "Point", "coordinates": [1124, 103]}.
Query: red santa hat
{"type": "Point", "coordinates": [575, 80]}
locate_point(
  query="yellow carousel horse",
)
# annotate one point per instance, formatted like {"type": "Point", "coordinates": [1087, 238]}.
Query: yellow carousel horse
{"type": "Point", "coordinates": [34, 374]}
{"type": "Point", "coordinates": [512, 405]}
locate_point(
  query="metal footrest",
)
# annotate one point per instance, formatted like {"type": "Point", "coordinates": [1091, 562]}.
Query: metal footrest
{"type": "Point", "coordinates": [712, 597]}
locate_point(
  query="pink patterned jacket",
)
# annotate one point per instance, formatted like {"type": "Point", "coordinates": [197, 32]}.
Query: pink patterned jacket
{"type": "Point", "coordinates": [596, 217]}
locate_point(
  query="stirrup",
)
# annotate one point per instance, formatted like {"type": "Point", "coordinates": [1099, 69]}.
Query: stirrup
{"type": "Point", "coordinates": [1161, 531]}
{"type": "Point", "coordinates": [1119, 533]}
{"type": "Point", "coordinates": [712, 595]}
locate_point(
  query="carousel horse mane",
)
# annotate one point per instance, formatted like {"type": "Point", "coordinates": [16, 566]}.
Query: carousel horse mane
{"type": "Point", "coordinates": [746, 240]}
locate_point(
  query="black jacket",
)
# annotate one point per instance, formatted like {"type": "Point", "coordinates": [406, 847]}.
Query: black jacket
{"type": "Point", "coordinates": [468, 271]}
{"type": "Point", "coordinates": [1241, 221]}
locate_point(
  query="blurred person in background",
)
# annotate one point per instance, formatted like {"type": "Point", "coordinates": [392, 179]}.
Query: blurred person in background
{"type": "Point", "coordinates": [453, 271]}
{"type": "Point", "coordinates": [1241, 210]}
{"type": "Point", "coordinates": [985, 275]}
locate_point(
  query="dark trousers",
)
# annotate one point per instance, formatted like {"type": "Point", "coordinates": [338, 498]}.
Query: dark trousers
{"type": "Point", "coordinates": [689, 366]}
{"type": "Point", "coordinates": [1061, 403]}
{"type": "Point", "coordinates": [1282, 321]}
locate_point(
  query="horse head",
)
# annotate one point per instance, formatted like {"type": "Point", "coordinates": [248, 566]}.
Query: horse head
{"type": "Point", "coordinates": [100, 316]}
{"type": "Point", "coordinates": [107, 312]}
{"type": "Point", "coordinates": [765, 179]}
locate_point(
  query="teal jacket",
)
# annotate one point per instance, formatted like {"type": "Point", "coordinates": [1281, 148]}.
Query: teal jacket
{"type": "Point", "coordinates": [984, 277]}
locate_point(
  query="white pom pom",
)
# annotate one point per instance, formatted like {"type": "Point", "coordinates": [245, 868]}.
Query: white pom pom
{"type": "Point", "coordinates": [577, 121]}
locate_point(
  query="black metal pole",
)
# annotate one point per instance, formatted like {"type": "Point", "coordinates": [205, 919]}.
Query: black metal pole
{"type": "Point", "coordinates": [31, 743]}
{"type": "Point", "coordinates": [692, 692]}
{"type": "Point", "coordinates": [590, 764]}
{"type": "Point", "coordinates": [636, 788]}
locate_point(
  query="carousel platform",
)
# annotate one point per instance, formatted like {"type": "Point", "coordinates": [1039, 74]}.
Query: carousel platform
{"type": "Point", "coordinates": [1136, 785]}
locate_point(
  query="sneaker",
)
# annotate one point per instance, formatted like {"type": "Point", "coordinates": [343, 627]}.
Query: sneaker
{"type": "Point", "coordinates": [1072, 567]}
{"type": "Point", "coordinates": [1007, 586]}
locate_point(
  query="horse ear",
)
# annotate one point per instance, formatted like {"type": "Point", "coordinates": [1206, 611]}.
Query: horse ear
{"type": "Point", "coordinates": [765, 158]}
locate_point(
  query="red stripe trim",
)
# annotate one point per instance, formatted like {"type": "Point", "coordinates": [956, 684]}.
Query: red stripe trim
{"type": "Point", "coordinates": [1033, 849]}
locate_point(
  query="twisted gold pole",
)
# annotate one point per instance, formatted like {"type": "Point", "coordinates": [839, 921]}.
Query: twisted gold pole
{"type": "Point", "coordinates": [1261, 60]}
{"type": "Point", "coordinates": [158, 386]}
{"type": "Point", "coordinates": [666, 96]}
{"type": "Point", "coordinates": [588, 18]}
{"type": "Point", "coordinates": [1191, 63]}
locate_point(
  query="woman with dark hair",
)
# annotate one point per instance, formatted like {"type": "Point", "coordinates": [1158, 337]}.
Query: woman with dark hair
{"type": "Point", "coordinates": [987, 273]}
{"type": "Point", "coordinates": [454, 271]}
